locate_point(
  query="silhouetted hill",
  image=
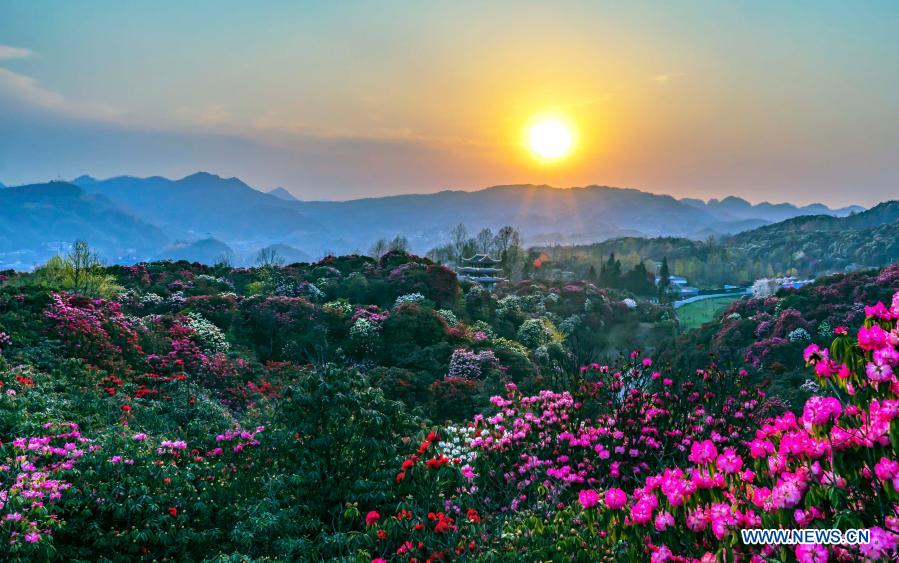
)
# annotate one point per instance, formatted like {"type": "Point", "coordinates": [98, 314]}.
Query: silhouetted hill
{"type": "Point", "coordinates": [882, 214]}
{"type": "Point", "coordinates": [734, 209]}
{"type": "Point", "coordinates": [281, 193]}
{"type": "Point", "coordinates": [204, 251]}
{"type": "Point", "coordinates": [39, 219]}
{"type": "Point", "coordinates": [204, 204]}
{"type": "Point", "coordinates": [287, 254]}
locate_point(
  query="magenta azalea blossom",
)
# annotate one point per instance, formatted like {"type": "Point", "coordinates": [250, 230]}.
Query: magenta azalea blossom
{"type": "Point", "coordinates": [588, 498]}
{"type": "Point", "coordinates": [703, 452]}
{"type": "Point", "coordinates": [615, 498]}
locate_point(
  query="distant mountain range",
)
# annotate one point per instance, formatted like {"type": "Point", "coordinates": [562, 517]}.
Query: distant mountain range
{"type": "Point", "coordinates": [130, 218]}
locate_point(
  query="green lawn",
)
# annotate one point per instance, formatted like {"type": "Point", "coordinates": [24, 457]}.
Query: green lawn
{"type": "Point", "coordinates": [694, 314]}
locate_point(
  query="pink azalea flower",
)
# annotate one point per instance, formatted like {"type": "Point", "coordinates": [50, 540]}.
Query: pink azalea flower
{"type": "Point", "coordinates": [588, 498]}
{"type": "Point", "coordinates": [703, 452]}
{"type": "Point", "coordinates": [821, 410]}
{"type": "Point", "coordinates": [615, 498]}
{"type": "Point", "coordinates": [663, 521]}
{"type": "Point", "coordinates": [879, 373]}
{"type": "Point", "coordinates": [872, 338]}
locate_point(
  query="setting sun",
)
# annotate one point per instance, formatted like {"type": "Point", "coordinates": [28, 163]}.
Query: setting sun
{"type": "Point", "coordinates": [550, 138]}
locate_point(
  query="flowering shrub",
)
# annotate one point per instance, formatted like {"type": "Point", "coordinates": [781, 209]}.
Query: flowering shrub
{"type": "Point", "coordinates": [364, 336]}
{"type": "Point", "coordinates": [409, 298]}
{"type": "Point", "coordinates": [209, 337]}
{"type": "Point", "coordinates": [799, 335]}
{"type": "Point", "coordinates": [534, 333]}
{"type": "Point", "coordinates": [95, 330]}
{"type": "Point", "coordinates": [32, 483]}
{"type": "Point", "coordinates": [448, 316]}
{"type": "Point", "coordinates": [5, 341]}
{"type": "Point", "coordinates": [468, 365]}
{"type": "Point", "coordinates": [220, 425]}
{"type": "Point", "coordinates": [646, 468]}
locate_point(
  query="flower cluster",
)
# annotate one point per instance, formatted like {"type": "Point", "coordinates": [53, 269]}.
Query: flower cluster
{"type": "Point", "coordinates": [644, 466]}
{"type": "Point", "coordinates": [210, 337]}
{"type": "Point", "coordinates": [409, 299]}
{"type": "Point", "coordinates": [33, 481]}
{"type": "Point", "coordinates": [467, 364]}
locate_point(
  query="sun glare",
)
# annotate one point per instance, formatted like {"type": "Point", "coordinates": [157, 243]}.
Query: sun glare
{"type": "Point", "coordinates": [550, 138]}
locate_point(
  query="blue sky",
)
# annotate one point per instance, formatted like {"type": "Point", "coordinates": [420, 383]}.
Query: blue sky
{"type": "Point", "coordinates": [767, 100]}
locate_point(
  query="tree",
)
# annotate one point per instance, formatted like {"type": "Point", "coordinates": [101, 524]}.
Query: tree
{"type": "Point", "coordinates": [268, 258]}
{"type": "Point", "coordinates": [379, 248]}
{"type": "Point", "coordinates": [508, 244]}
{"type": "Point", "coordinates": [81, 271]}
{"type": "Point", "coordinates": [458, 239]}
{"type": "Point", "coordinates": [664, 274]}
{"type": "Point", "coordinates": [84, 263]}
{"type": "Point", "coordinates": [443, 254]}
{"type": "Point", "coordinates": [485, 241]}
{"type": "Point", "coordinates": [610, 273]}
{"type": "Point", "coordinates": [639, 280]}
{"type": "Point", "coordinates": [398, 244]}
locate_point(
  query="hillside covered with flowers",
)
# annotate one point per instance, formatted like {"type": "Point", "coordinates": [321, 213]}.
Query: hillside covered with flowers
{"type": "Point", "coordinates": [379, 410]}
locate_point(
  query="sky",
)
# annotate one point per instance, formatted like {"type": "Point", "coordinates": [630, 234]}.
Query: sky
{"type": "Point", "coordinates": [777, 101]}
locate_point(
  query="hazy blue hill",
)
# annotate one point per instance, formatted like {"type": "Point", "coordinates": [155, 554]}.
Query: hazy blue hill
{"type": "Point", "coordinates": [593, 212]}
{"type": "Point", "coordinates": [204, 204]}
{"type": "Point", "coordinates": [205, 251]}
{"type": "Point", "coordinates": [281, 193]}
{"type": "Point", "coordinates": [731, 226]}
{"type": "Point", "coordinates": [733, 208]}
{"type": "Point", "coordinates": [287, 253]}
{"type": "Point", "coordinates": [38, 218]}
{"type": "Point", "coordinates": [573, 214]}
{"type": "Point", "coordinates": [882, 214]}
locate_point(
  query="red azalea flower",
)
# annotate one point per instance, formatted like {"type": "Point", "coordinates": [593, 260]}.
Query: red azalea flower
{"type": "Point", "coordinates": [437, 462]}
{"type": "Point", "coordinates": [372, 518]}
{"type": "Point", "coordinates": [173, 512]}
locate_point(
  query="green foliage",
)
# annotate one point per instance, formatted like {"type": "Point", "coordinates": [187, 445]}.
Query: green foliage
{"type": "Point", "coordinates": [81, 271]}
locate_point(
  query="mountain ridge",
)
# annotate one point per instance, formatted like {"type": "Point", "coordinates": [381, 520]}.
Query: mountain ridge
{"type": "Point", "coordinates": [203, 206]}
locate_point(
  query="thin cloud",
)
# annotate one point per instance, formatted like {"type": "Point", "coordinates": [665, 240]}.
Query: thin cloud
{"type": "Point", "coordinates": [666, 78]}
{"type": "Point", "coordinates": [29, 92]}
{"type": "Point", "coordinates": [210, 115]}
{"type": "Point", "coordinates": [8, 52]}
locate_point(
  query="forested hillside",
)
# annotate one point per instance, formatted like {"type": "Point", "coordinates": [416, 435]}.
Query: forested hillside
{"type": "Point", "coordinates": [366, 410]}
{"type": "Point", "coordinates": [803, 246]}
